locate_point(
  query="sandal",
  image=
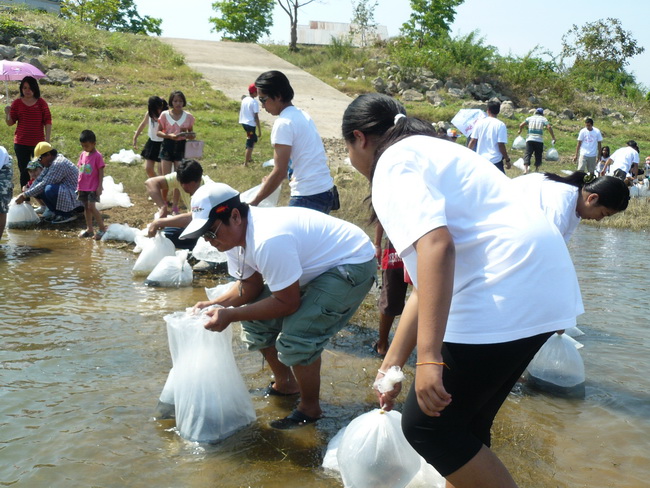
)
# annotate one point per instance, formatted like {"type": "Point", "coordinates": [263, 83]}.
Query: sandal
{"type": "Point", "coordinates": [270, 391]}
{"type": "Point", "coordinates": [85, 233]}
{"type": "Point", "coordinates": [99, 234]}
{"type": "Point", "coordinates": [294, 420]}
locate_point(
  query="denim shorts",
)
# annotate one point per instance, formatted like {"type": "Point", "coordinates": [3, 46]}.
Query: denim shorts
{"type": "Point", "coordinates": [251, 135]}
{"type": "Point", "coordinates": [326, 305]}
{"type": "Point", "coordinates": [87, 196]}
{"type": "Point", "coordinates": [323, 202]}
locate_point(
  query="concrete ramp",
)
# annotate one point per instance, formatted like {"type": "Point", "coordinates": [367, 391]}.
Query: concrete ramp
{"type": "Point", "coordinates": [231, 66]}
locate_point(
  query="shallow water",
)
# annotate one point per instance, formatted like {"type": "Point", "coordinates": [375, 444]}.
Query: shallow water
{"type": "Point", "coordinates": [85, 357]}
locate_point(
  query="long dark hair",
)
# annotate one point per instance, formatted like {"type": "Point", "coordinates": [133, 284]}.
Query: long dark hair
{"type": "Point", "coordinates": [33, 85]}
{"type": "Point", "coordinates": [612, 192]}
{"type": "Point", "coordinates": [156, 106]}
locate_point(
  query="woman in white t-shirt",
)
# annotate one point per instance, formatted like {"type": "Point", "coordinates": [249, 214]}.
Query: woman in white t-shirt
{"type": "Point", "coordinates": [297, 149]}
{"type": "Point", "coordinates": [565, 200]}
{"type": "Point", "coordinates": [470, 248]}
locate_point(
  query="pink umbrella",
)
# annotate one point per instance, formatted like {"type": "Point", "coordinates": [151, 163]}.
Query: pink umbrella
{"type": "Point", "coordinates": [16, 70]}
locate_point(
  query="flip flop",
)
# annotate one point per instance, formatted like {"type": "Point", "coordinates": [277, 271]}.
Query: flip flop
{"type": "Point", "coordinates": [270, 391]}
{"type": "Point", "coordinates": [376, 352]}
{"type": "Point", "coordinates": [294, 420]}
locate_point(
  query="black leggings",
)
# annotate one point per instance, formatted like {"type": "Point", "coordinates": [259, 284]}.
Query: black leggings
{"type": "Point", "coordinates": [479, 379]}
{"type": "Point", "coordinates": [24, 154]}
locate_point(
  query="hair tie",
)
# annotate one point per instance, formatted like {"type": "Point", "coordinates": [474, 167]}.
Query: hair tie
{"type": "Point", "coordinates": [588, 178]}
{"type": "Point", "coordinates": [397, 117]}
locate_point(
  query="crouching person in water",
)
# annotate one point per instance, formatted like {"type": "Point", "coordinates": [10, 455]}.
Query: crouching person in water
{"type": "Point", "coordinates": [301, 276]}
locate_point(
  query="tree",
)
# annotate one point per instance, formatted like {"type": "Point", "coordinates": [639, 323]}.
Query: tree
{"type": "Point", "coordinates": [243, 20]}
{"type": "Point", "coordinates": [363, 19]}
{"type": "Point", "coordinates": [430, 19]}
{"type": "Point", "coordinates": [601, 43]}
{"type": "Point", "coordinates": [291, 8]}
{"type": "Point", "coordinates": [113, 15]}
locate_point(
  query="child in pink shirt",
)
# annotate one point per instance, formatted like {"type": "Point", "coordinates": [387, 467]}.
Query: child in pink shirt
{"type": "Point", "coordinates": [89, 187]}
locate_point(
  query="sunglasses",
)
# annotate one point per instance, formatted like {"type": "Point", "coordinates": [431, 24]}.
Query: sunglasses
{"type": "Point", "coordinates": [209, 235]}
{"type": "Point", "coordinates": [263, 99]}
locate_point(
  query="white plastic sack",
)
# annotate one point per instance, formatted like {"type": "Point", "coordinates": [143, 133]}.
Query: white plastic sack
{"type": "Point", "coordinates": [519, 164]}
{"type": "Point", "coordinates": [552, 155]}
{"type": "Point", "coordinates": [20, 216]}
{"type": "Point", "coordinates": [171, 272]}
{"type": "Point", "coordinates": [210, 397]}
{"type": "Point", "coordinates": [270, 201]}
{"type": "Point", "coordinates": [120, 232]}
{"type": "Point", "coordinates": [204, 251]}
{"type": "Point", "coordinates": [426, 477]}
{"type": "Point", "coordinates": [519, 143]}
{"type": "Point", "coordinates": [574, 332]}
{"type": "Point", "coordinates": [165, 408]}
{"type": "Point", "coordinates": [558, 368]}
{"type": "Point", "coordinates": [268, 164]}
{"type": "Point", "coordinates": [113, 195]}
{"type": "Point", "coordinates": [153, 250]}
{"type": "Point", "coordinates": [374, 452]}
{"type": "Point", "coordinates": [126, 156]}
{"type": "Point", "coordinates": [218, 290]}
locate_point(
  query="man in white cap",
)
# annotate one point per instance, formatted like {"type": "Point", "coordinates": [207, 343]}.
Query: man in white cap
{"type": "Point", "coordinates": [56, 185]}
{"type": "Point", "coordinates": [301, 276]}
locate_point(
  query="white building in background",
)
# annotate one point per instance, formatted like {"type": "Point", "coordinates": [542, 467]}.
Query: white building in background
{"type": "Point", "coordinates": [321, 33]}
{"type": "Point", "coordinates": [47, 5]}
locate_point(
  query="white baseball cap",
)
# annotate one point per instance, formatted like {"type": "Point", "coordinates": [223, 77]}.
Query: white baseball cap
{"type": "Point", "coordinates": [207, 202]}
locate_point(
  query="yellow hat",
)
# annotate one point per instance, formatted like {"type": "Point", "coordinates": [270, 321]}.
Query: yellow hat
{"type": "Point", "coordinates": [41, 148]}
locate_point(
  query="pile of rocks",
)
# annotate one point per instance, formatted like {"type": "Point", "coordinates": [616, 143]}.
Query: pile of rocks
{"type": "Point", "coordinates": [33, 49]}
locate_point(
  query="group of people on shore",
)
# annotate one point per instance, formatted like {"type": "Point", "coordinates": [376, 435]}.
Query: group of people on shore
{"type": "Point", "coordinates": [469, 238]}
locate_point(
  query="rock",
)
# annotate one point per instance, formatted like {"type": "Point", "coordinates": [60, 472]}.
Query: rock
{"type": "Point", "coordinates": [379, 85]}
{"type": "Point", "coordinates": [434, 84]}
{"type": "Point", "coordinates": [444, 125]}
{"type": "Point", "coordinates": [481, 91]}
{"type": "Point", "coordinates": [533, 100]}
{"type": "Point", "coordinates": [475, 104]}
{"type": "Point", "coordinates": [402, 85]}
{"type": "Point", "coordinates": [412, 96]}
{"type": "Point", "coordinates": [57, 77]}
{"type": "Point", "coordinates": [567, 113]}
{"type": "Point", "coordinates": [18, 40]}
{"type": "Point", "coordinates": [615, 116]}
{"type": "Point", "coordinates": [507, 109]}
{"type": "Point", "coordinates": [82, 56]}
{"type": "Point", "coordinates": [434, 98]}
{"type": "Point", "coordinates": [452, 84]}
{"type": "Point", "coordinates": [7, 52]}
{"type": "Point", "coordinates": [456, 92]}
{"type": "Point", "coordinates": [63, 53]}
{"type": "Point", "coordinates": [28, 50]}
{"type": "Point", "coordinates": [391, 88]}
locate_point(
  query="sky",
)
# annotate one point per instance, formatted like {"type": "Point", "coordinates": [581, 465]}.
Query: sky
{"type": "Point", "coordinates": [512, 26]}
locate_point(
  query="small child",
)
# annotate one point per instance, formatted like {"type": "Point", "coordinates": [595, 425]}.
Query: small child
{"type": "Point", "coordinates": [89, 188]}
{"type": "Point", "coordinates": [600, 165]}
{"type": "Point", "coordinates": [34, 168]}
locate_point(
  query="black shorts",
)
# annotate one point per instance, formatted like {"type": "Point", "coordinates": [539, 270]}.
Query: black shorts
{"type": "Point", "coordinates": [479, 379]}
{"type": "Point", "coordinates": [172, 150]}
{"type": "Point", "coordinates": [151, 150]}
{"type": "Point", "coordinates": [251, 135]}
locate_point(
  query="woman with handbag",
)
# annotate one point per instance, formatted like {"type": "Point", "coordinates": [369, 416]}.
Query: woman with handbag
{"type": "Point", "coordinates": [175, 126]}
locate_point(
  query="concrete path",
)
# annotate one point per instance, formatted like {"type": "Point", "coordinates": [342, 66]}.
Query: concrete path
{"type": "Point", "coordinates": [231, 66]}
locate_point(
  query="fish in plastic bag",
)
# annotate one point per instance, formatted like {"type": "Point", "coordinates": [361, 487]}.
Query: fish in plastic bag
{"type": "Point", "coordinates": [558, 368]}
{"type": "Point", "coordinates": [204, 251]}
{"type": "Point", "coordinates": [210, 398]}
{"type": "Point", "coordinates": [218, 290]}
{"type": "Point", "coordinates": [153, 250]}
{"type": "Point", "coordinates": [21, 216]}
{"type": "Point", "coordinates": [270, 201]}
{"type": "Point", "coordinates": [120, 232]}
{"type": "Point", "coordinates": [552, 155]}
{"type": "Point", "coordinates": [372, 451]}
{"type": "Point", "coordinates": [519, 164]}
{"type": "Point", "coordinates": [172, 272]}
{"type": "Point", "coordinates": [519, 143]}
{"type": "Point", "coordinates": [113, 195]}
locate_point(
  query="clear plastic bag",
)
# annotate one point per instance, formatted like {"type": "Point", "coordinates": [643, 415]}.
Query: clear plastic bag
{"type": "Point", "coordinates": [153, 250]}
{"type": "Point", "coordinates": [519, 164]}
{"type": "Point", "coordinates": [171, 272]}
{"type": "Point", "coordinates": [558, 368]}
{"type": "Point", "coordinates": [218, 290]}
{"type": "Point", "coordinates": [204, 251]}
{"type": "Point", "coordinates": [519, 143]}
{"type": "Point", "coordinates": [270, 201]}
{"type": "Point", "coordinates": [113, 195]}
{"type": "Point", "coordinates": [374, 452]}
{"type": "Point", "coordinates": [552, 155]}
{"type": "Point", "coordinates": [210, 398]}
{"type": "Point", "coordinates": [21, 216]}
{"type": "Point", "coordinates": [120, 232]}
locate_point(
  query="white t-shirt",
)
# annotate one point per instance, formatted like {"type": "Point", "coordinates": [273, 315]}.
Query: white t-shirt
{"type": "Point", "coordinates": [513, 275]}
{"type": "Point", "coordinates": [311, 175]}
{"type": "Point", "coordinates": [249, 107]}
{"type": "Point", "coordinates": [558, 201]}
{"type": "Point", "coordinates": [289, 244]}
{"type": "Point", "coordinates": [590, 140]}
{"type": "Point", "coordinates": [536, 124]}
{"type": "Point", "coordinates": [489, 132]}
{"type": "Point", "coordinates": [152, 131]}
{"type": "Point", "coordinates": [624, 158]}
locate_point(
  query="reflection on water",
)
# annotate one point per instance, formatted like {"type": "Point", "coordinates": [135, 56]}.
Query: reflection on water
{"type": "Point", "coordinates": [85, 356]}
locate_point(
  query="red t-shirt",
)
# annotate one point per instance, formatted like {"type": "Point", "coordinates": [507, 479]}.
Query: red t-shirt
{"type": "Point", "coordinates": [31, 121]}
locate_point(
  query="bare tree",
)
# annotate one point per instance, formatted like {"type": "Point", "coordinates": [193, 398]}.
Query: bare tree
{"type": "Point", "coordinates": [291, 8]}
